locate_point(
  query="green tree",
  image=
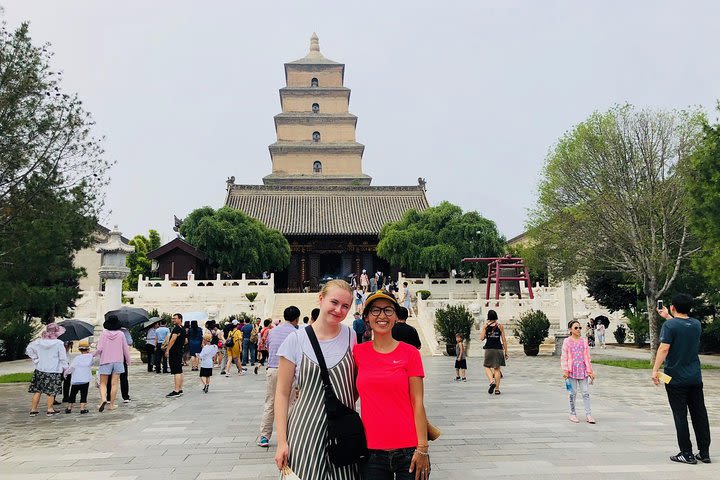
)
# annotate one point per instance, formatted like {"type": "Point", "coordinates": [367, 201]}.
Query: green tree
{"type": "Point", "coordinates": [235, 242]}
{"type": "Point", "coordinates": [703, 194]}
{"type": "Point", "coordinates": [611, 198]}
{"type": "Point", "coordinates": [438, 238]}
{"type": "Point", "coordinates": [137, 262]}
{"type": "Point", "coordinates": [52, 175]}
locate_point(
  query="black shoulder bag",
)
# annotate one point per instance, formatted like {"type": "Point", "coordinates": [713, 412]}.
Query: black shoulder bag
{"type": "Point", "coordinates": [346, 436]}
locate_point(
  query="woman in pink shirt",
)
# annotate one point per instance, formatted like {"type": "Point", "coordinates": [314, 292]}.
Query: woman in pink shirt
{"type": "Point", "coordinates": [575, 362]}
{"type": "Point", "coordinates": [114, 355]}
{"type": "Point", "coordinates": [390, 384]}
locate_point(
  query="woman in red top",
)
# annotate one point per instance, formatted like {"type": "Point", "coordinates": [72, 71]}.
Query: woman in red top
{"type": "Point", "coordinates": [390, 384]}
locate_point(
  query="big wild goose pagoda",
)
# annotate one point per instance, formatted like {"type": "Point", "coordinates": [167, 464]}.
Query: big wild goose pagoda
{"type": "Point", "coordinates": [317, 194]}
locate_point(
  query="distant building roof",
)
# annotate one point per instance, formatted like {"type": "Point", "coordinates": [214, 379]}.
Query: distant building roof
{"type": "Point", "coordinates": [330, 210]}
{"type": "Point", "coordinates": [177, 243]}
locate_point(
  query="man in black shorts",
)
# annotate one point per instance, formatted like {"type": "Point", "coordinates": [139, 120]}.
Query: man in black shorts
{"type": "Point", "coordinates": [174, 353]}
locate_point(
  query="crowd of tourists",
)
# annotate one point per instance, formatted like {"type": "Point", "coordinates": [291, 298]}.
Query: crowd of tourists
{"type": "Point", "coordinates": [316, 369]}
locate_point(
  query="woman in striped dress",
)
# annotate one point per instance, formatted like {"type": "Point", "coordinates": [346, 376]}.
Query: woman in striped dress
{"type": "Point", "coordinates": [302, 437]}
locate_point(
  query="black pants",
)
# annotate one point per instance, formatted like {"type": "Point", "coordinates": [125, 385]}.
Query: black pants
{"type": "Point", "coordinates": [124, 385]}
{"type": "Point", "coordinates": [150, 351]}
{"type": "Point", "coordinates": [66, 388]}
{"type": "Point", "coordinates": [160, 357]}
{"type": "Point", "coordinates": [83, 389]}
{"type": "Point", "coordinates": [689, 398]}
{"type": "Point", "coordinates": [388, 465]}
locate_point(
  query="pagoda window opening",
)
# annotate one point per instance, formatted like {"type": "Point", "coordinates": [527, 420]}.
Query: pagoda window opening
{"type": "Point", "coordinates": [314, 82]}
{"type": "Point", "coordinates": [316, 136]}
{"type": "Point", "coordinates": [317, 167]}
{"type": "Point", "coordinates": [315, 108]}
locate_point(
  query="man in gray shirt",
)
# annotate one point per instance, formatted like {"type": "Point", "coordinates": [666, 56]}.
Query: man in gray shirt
{"type": "Point", "coordinates": [275, 338]}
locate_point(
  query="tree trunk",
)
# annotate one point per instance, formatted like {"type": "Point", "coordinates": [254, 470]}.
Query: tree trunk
{"type": "Point", "coordinates": [654, 324]}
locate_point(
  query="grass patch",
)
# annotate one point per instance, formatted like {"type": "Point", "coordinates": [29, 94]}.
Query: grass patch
{"type": "Point", "coordinates": [637, 364]}
{"type": "Point", "coordinates": [16, 377]}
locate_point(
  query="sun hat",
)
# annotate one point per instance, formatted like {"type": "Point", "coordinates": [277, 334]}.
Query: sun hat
{"type": "Point", "coordinates": [379, 295]}
{"type": "Point", "coordinates": [235, 322]}
{"type": "Point", "coordinates": [83, 345]}
{"type": "Point", "coordinates": [53, 331]}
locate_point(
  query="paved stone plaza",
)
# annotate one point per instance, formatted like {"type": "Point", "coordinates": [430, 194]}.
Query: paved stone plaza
{"type": "Point", "coordinates": [522, 433]}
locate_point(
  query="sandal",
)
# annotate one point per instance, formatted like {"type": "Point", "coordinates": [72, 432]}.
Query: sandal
{"type": "Point", "coordinates": [85, 410]}
{"type": "Point", "coordinates": [102, 406]}
{"type": "Point", "coordinates": [34, 414]}
{"type": "Point", "coordinates": [497, 392]}
{"type": "Point", "coordinates": [590, 419]}
{"type": "Point", "coordinates": [67, 410]}
{"type": "Point", "coordinates": [51, 413]}
{"type": "Point", "coordinates": [491, 389]}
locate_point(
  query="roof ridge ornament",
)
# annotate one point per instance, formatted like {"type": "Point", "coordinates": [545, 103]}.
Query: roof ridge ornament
{"type": "Point", "coordinates": [314, 43]}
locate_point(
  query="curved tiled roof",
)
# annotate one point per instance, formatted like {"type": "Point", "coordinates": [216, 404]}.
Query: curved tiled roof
{"type": "Point", "coordinates": [311, 210]}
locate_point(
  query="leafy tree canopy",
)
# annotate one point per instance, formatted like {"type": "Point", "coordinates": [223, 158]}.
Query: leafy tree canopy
{"type": "Point", "coordinates": [437, 239]}
{"type": "Point", "coordinates": [703, 195]}
{"type": "Point", "coordinates": [235, 242]}
{"type": "Point", "coordinates": [137, 261]}
{"type": "Point", "coordinates": [611, 198]}
{"type": "Point", "coordinates": [52, 176]}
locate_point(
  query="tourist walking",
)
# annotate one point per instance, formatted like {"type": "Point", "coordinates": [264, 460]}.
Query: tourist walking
{"type": "Point", "coordinates": [161, 334]}
{"type": "Point", "coordinates": [217, 339]}
{"type": "Point", "coordinates": [678, 350]}
{"type": "Point", "coordinates": [195, 338]}
{"type": "Point", "coordinates": [460, 360]}
{"type": "Point", "coordinates": [150, 345]}
{"type": "Point", "coordinates": [275, 338]}
{"type": "Point", "coordinates": [262, 343]}
{"type": "Point", "coordinates": [81, 371]}
{"type": "Point", "coordinates": [248, 350]}
{"type": "Point", "coordinates": [364, 281]}
{"type": "Point", "coordinates": [174, 352]}
{"type": "Point", "coordinates": [358, 327]}
{"type": "Point", "coordinates": [359, 298]}
{"type": "Point", "coordinates": [206, 356]}
{"type": "Point", "coordinates": [495, 351]}
{"type": "Point", "coordinates": [233, 344]}
{"type": "Point", "coordinates": [227, 328]}
{"type": "Point", "coordinates": [390, 384]}
{"type": "Point", "coordinates": [114, 355]}
{"type": "Point", "coordinates": [600, 333]}
{"type": "Point", "coordinates": [124, 383]}
{"type": "Point", "coordinates": [576, 366]}
{"type": "Point", "coordinates": [302, 435]}
{"type": "Point", "coordinates": [50, 359]}
{"type": "Point", "coordinates": [407, 298]}
{"type": "Point", "coordinates": [402, 332]}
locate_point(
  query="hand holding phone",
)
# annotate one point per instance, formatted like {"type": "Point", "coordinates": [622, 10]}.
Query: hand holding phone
{"type": "Point", "coordinates": [660, 305]}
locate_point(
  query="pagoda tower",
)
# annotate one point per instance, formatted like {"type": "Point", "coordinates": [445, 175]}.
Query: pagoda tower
{"type": "Point", "coordinates": [315, 131]}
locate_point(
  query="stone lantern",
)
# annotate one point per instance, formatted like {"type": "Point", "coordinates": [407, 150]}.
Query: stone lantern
{"type": "Point", "coordinates": [112, 268]}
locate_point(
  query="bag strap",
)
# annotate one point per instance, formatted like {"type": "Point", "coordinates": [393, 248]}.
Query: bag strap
{"type": "Point", "coordinates": [320, 358]}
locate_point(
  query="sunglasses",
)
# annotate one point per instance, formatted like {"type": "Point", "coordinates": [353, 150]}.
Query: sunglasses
{"type": "Point", "coordinates": [576, 328]}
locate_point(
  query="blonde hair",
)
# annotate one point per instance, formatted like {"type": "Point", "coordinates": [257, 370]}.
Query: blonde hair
{"type": "Point", "coordinates": [337, 283]}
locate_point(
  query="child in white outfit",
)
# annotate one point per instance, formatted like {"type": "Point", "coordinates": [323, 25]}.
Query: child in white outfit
{"type": "Point", "coordinates": [80, 369]}
{"type": "Point", "coordinates": [206, 356]}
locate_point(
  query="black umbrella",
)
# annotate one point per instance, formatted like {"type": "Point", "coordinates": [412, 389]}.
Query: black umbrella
{"type": "Point", "coordinates": [75, 330]}
{"type": "Point", "coordinates": [129, 316]}
{"type": "Point", "coordinates": [603, 319]}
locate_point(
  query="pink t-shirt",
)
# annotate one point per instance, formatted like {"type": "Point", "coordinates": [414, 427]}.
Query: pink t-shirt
{"type": "Point", "coordinates": [383, 385]}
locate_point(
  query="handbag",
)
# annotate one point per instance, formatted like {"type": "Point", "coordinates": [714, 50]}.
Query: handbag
{"type": "Point", "coordinates": [346, 435]}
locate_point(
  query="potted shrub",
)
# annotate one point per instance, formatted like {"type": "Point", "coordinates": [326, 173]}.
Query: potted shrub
{"type": "Point", "coordinates": [251, 296]}
{"type": "Point", "coordinates": [450, 321]}
{"type": "Point", "coordinates": [424, 294]}
{"type": "Point", "coordinates": [531, 330]}
{"type": "Point", "coordinates": [620, 334]}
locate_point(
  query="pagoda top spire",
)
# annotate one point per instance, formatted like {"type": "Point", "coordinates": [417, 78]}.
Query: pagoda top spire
{"type": "Point", "coordinates": [314, 56]}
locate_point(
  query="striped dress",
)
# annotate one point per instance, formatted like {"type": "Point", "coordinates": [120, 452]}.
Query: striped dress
{"type": "Point", "coordinates": [307, 424]}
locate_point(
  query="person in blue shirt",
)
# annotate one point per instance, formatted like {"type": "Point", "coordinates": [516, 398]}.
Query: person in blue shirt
{"type": "Point", "coordinates": [679, 347]}
{"type": "Point", "coordinates": [161, 334]}
{"type": "Point", "coordinates": [249, 349]}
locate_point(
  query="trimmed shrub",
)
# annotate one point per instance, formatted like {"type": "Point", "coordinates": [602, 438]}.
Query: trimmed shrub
{"type": "Point", "coordinates": [620, 334]}
{"type": "Point", "coordinates": [452, 320]}
{"type": "Point", "coordinates": [424, 294]}
{"type": "Point", "coordinates": [532, 328]}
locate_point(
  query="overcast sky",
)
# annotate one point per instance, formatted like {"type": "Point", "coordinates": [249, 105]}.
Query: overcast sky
{"type": "Point", "coordinates": [470, 95]}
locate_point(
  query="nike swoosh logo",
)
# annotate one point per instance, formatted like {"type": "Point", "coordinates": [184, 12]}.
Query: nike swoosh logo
{"type": "Point", "coordinates": [396, 361]}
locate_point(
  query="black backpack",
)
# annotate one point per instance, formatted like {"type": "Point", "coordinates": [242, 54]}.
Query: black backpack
{"type": "Point", "coordinates": [346, 435]}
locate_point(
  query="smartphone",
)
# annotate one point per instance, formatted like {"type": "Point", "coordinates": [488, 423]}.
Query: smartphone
{"type": "Point", "coordinates": [660, 305]}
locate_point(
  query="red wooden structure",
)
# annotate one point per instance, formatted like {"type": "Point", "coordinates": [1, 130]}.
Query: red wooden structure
{"type": "Point", "coordinates": [496, 264]}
